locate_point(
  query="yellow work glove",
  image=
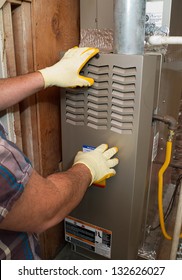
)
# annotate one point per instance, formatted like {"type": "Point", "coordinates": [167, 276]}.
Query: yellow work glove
{"type": "Point", "coordinates": [65, 73]}
{"type": "Point", "coordinates": [99, 162]}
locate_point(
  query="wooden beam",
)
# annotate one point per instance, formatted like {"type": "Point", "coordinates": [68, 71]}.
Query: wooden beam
{"type": "Point", "coordinates": [60, 19]}
{"type": "Point", "coordinates": [11, 64]}
{"type": "Point", "coordinates": [9, 42]}
{"type": "Point", "coordinates": [21, 17]}
{"type": "Point", "coordinates": [3, 64]}
{"type": "Point", "coordinates": [17, 2]}
{"type": "Point", "coordinates": [7, 116]}
{"type": "Point", "coordinates": [2, 3]}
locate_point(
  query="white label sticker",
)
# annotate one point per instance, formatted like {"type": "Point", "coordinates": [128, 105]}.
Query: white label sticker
{"type": "Point", "coordinates": [154, 12]}
{"type": "Point", "coordinates": [88, 236]}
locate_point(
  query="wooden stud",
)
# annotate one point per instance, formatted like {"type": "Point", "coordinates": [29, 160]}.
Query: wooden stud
{"type": "Point", "coordinates": [11, 64]}
{"type": "Point", "coordinates": [21, 17]}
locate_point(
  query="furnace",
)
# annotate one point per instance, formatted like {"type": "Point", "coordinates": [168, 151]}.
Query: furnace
{"type": "Point", "coordinates": [118, 110]}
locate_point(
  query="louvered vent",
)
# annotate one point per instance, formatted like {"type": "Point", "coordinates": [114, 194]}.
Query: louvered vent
{"type": "Point", "coordinates": [123, 99]}
{"type": "Point", "coordinates": [97, 99]}
{"type": "Point", "coordinates": [75, 107]}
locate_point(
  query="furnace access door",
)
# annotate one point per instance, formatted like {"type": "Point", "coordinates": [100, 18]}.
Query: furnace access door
{"type": "Point", "coordinates": [116, 110]}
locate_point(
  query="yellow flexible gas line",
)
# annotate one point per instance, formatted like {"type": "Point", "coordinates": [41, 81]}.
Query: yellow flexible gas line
{"type": "Point", "coordinates": [160, 188]}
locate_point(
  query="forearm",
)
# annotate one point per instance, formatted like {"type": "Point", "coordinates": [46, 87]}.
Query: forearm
{"type": "Point", "coordinates": [45, 202]}
{"type": "Point", "coordinates": [14, 90]}
{"type": "Point", "coordinates": [71, 186]}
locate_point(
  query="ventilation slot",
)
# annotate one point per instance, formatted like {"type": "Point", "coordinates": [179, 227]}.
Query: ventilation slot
{"type": "Point", "coordinates": [97, 98]}
{"type": "Point", "coordinates": [98, 92]}
{"type": "Point", "coordinates": [123, 87]}
{"type": "Point", "coordinates": [96, 114]}
{"type": "Point", "coordinates": [123, 103]}
{"type": "Point", "coordinates": [124, 95]}
{"type": "Point", "coordinates": [75, 108]}
{"type": "Point", "coordinates": [130, 71]}
{"type": "Point", "coordinates": [103, 69]}
{"type": "Point", "coordinates": [123, 99]}
{"type": "Point", "coordinates": [124, 80]}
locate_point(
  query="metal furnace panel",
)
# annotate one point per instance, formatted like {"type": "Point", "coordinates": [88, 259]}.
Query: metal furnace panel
{"type": "Point", "coordinates": [116, 110]}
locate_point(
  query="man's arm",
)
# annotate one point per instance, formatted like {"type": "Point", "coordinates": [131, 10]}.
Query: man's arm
{"type": "Point", "coordinates": [14, 90]}
{"type": "Point", "coordinates": [46, 201]}
{"type": "Point", "coordinates": [65, 73]}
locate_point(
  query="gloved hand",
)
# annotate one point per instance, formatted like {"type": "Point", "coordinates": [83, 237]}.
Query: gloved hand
{"type": "Point", "coordinates": [65, 73]}
{"type": "Point", "coordinates": [99, 162]}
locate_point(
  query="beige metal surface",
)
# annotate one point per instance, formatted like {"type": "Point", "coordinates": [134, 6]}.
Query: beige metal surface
{"type": "Point", "coordinates": [96, 14]}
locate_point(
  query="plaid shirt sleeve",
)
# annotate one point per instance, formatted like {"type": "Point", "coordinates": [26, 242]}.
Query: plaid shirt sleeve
{"type": "Point", "coordinates": [15, 170]}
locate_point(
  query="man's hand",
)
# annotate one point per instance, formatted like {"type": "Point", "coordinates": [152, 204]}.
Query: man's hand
{"type": "Point", "coordinates": [99, 162]}
{"type": "Point", "coordinates": [65, 73]}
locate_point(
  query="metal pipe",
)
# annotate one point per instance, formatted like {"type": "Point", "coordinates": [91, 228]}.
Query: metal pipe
{"type": "Point", "coordinates": [129, 26]}
{"type": "Point", "coordinates": [169, 120]}
{"type": "Point", "coordinates": [165, 40]}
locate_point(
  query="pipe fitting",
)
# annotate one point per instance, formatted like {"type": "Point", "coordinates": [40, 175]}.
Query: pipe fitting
{"type": "Point", "coordinates": [169, 120]}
